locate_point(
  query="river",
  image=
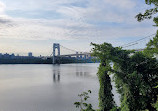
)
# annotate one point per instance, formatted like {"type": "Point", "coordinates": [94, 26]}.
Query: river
{"type": "Point", "coordinates": [40, 87]}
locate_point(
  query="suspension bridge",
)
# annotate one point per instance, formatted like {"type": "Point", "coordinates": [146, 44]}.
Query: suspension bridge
{"type": "Point", "coordinates": [61, 53]}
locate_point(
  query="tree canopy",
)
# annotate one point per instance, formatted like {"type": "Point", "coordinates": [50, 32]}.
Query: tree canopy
{"type": "Point", "coordinates": [152, 46]}
{"type": "Point", "coordinates": [135, 76]}
{"type": "Point", "coordinates": [148, 14]}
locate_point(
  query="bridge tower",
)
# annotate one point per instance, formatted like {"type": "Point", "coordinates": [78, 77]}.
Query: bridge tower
{"type": "Point", "coordinates": [55, 46]}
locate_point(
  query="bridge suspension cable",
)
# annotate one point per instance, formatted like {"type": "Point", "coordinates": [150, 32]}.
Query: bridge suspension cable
{"type": "Point", "coordinates": [136, 42]}
{"type": "Point", "coordinates": [71, 49]}
{"type": "Point", "coordinates": [133, 43]}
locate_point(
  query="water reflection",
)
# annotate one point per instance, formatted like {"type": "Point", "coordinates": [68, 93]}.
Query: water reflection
{"type": "Point", "coordinates": [78, 69]}
{"type": "Point", "coordinates": [81, 72]}
{"type": "Point", "coordinates": [56, 74]}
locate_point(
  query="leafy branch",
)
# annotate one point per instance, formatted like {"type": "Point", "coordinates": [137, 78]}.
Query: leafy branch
{"type": "Point", "coordinates": [82, 104]}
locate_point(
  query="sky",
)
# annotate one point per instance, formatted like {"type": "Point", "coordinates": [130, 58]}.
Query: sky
{"type": "Point", "coordinates": [34, 25]}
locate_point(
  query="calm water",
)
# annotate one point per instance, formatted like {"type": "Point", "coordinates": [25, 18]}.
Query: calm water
{"type": "Point", "coordinates": [46, 87]}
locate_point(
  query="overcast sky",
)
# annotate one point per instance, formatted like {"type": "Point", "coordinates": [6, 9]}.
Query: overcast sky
{"type": "Point", "coordinates": [34, 25]}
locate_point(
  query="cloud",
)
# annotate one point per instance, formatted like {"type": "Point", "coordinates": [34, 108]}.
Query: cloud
{"type": "Point", "coordinates": [104, 19]}
{"type": "Point", "coordinates": [102, 10]}
{"type": "Point", "coordinates": [124, 4]}
{"type": "Point", "coordinates": [70, 30]}
{"type": "Point", "coordinates": [36, 4]}
{"type": "Point", "coordinates": [5, 21]}
{"type": "Point", "coordinates": [2, 6]}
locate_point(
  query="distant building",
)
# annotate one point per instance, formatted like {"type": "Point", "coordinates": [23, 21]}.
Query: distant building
{"type": "Point", "coordinates": [30, 54]}
{"type": "Point", "coordinates": [12, 55]}
{"type": "Point", "coordinates": [6, 55]}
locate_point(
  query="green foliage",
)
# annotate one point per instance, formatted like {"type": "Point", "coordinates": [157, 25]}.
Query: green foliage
{"type": "Point", "coordinates": [147, 15]}
{"type": "Point", "coordinates": [156, 86]}
{"type": "Point", "coordinates": [138, 80]}
{"type": "Point", "coordinates": [106, 101]}
{"type": "Point", "coordinates": [156, 105]}
{"type": "Point", "coordinates": [135, 77]}
{"type": "Point", "coordinates": [152, 47]}
{"type": "Point", "coordinates": [150, 12]}
{"type": "Point", "coordinates": [115, 109]}
{"type": "Point", "coordinates": [149, 2]}
{"type": "Point", "coordinates": [82, 104]}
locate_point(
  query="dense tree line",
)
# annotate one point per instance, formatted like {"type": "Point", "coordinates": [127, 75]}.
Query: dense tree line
{"type": "Point", "coordinates": [36, 60]}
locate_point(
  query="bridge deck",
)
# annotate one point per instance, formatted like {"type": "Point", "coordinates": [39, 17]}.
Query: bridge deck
{"type": "Point", "coordinates": [74, 54]}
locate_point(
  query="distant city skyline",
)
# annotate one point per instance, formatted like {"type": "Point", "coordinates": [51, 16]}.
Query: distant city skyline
{"type": "Point", "coordinates": [29, 54]}
{"type": "Point", "coordinates": [34, 25]}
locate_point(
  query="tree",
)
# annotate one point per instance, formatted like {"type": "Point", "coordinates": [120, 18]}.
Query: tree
{"type": "Point", "coordinates": [152, 46]}
{"type": "Point", "coordinates": [156, 104]}
{"type": "Point", "coordinates": [135, 77]}
{"type": "Point", "coordinates": [149, 12]}
{"type": "Point", "coordinates": [82, 104]}
{"type": "Point", "coordinates": [106, 102]}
